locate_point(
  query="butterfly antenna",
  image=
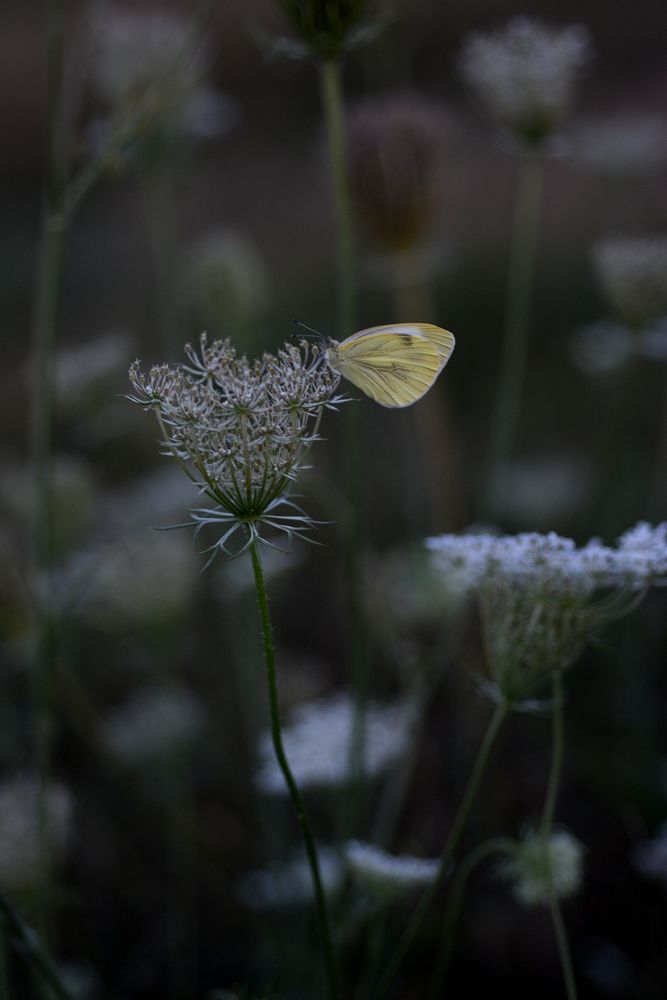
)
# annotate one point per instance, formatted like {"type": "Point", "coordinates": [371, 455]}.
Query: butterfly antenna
{"type": "Point", "coordinates": [313, 333]}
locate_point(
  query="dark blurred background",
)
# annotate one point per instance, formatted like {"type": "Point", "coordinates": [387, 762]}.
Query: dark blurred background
{"type": "Point", "coordinates": [230, 229]}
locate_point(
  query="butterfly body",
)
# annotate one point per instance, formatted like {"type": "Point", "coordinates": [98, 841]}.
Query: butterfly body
{"type": "Point", "coordinates": [395, 365]}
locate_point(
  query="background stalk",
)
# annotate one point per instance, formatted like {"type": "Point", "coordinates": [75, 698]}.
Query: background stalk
{"type": "Point", "coordinates": [331, 88]}
{"type": "Point", "coordinates": [509, 388]}
{"type": "Point", "coordinates": [557, 747]}
{"type": "Point", "coordinates": [459, 825]}
{"type": "Point", "coordinates": [297, 800]}
{"type": "Point", "coordinates": [28, 945]}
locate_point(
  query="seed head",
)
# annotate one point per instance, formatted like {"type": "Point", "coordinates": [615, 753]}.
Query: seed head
{"type": "Point", "coordinates": [241, 429]}
{"type": "Point", "coordinates": [326, 27]}
{"type": "Point", "coordinates": [395, 153]}
{"type": "Point", "coordinates": [543, 866]}
{"type": "Point", "coordinates": [524, 75]}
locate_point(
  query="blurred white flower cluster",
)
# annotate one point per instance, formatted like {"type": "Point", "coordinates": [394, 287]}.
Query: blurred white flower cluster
{"type": "Point", "coordinates": [650, 856]}
{"type": "Point", "coordinates": [541, 866]}
{"type": "Point", "coordinates": [148, 71]}
{"type": "Point", "coordinates": [318, 743]}
{"type": "Point", "coordinates": [542, 598]}
{"type": "Point", "coordinates": [524, 75]}
{"type": "Point", "coordinates": [22, 841]}
{"type": "Point", "coordinates": [291, 883]}
{"type": "Point", "coordinates": [632, 274]}
{"type": "Point", "coordinates": [154, 725]}
{"type": "Point", "coordinates": [388, 874]}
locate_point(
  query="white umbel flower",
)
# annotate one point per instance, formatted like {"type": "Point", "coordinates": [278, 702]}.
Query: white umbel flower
{"type": "Point", "coordinates": [155, 724]}
{"type": "Point", "coordinates": [22, 842]}
{"type": "Point", "coordinates": [542, 598]}
{"type": "Point", "coordinates": [290, 884]}
{"type": "Point", "coordinates": [541, 866]}
{"type": "Point", "coordinates": [632, 272]}
{"type": "Point", "coordinates": [524, 75]}
{"type": "Point", "coordinates": [318, 744]}
{"type": "Point", "coordinates": [388, 874]}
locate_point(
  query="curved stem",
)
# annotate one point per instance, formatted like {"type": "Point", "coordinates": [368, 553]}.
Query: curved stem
{"type": "Point", "coordinates": [517, 326]}
{"type": "Point", "coordinates": [27, 944]}
{"type": "Point", "coordinates": [295, 795]}
{"type": "Point", "coordinates": [453, 911]}
{"type": "Point", "coordinates": [500, 714]}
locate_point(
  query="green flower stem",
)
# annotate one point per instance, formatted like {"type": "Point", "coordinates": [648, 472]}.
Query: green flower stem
{"type": "Point", "coordinates": [299, 805]}
{"type": "Point", "coordinates": [509, 387]}
{"type": "Point", "coordinates": [28, 945]}
{"type": "Point", "coordinates": [557, 747]}
{"type": "Point", "coordinates": [500, 714]}
{"type": "Point", "coordinates": [563, 947]}
{"type": "Point", "coordinates": [331, 89]}
{"type": "Point", "coordinates": [453, 911]}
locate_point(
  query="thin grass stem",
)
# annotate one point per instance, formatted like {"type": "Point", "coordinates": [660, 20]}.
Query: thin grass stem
{"type": "Point", "coordinates": [331, 89]}
{"type": "Point", "coordinates": [500, 714]}
{"type": "Point", "coordinates": [330, 963]}
{"type": "Point", "coordinates": [454, 906]}
{"type": "Point", "coordinates": [509, 388]}
{"type": "Point", "coordinates": [27, 944]}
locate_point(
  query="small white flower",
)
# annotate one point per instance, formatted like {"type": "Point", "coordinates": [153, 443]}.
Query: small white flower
{"type": "Point", "coordinates": [603, 347]}
{"type": "Point", "coordinates": [650, 856]}
{"type": "Point", "coordinates": [290, 884]}
{"type": "Point", "coordinates": [153, 725]}
{"type": "Point", "coordinates": [389, 874]}
{"type": "Point", "coordinates": [21, 840]}
{"type": "Point", "coordinates": [318, 743]}
{"type": "Point", "coordinates": [632, 272]}
{"type": "Point", "coordinates": [541, 866]}
{"type": "Point", "coordinates": [525, 74]}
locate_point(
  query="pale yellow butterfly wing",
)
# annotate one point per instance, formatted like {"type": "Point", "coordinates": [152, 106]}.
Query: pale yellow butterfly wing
{"type": "Point", "coordinates": [393, 368]}
{"type": "Point", "coordinates": [443, 340]}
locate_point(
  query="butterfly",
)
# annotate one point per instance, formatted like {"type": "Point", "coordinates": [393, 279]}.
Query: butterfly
{"type": "Point", "coordinates": [395, 365]}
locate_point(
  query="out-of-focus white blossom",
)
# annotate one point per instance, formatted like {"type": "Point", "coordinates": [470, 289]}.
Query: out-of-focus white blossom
{"type": "Point", "coordinates": [632, 272]}
{"type": "Point", "coordinates": [389, 874]}
{"type": "Point", "coordinates": [22, 838]}
{"type": "Point", "coordinates": [525, 74]}
{"type": "Point", "coordinates": [628, 144]}
{"type": "Point", "coordinates": [228, 281]}
{"type": "Point", "coordinates": [143, 580]}
{"type": "Point", "coordinates": [650, 856]}
{"type": "Point", "coordinates": [318, 743]}
{"type": "Point", "coordinates": [74, 498]}
{"type": "Point", "coordinates": [148, 70]}
{"type": "Point", "coordinates": [602, 348]}
{"type": "Point", "coordinates": [541, 489]}
{"type": "Point", "coordinates": [542, 598]}
{"type": "Point", "coordinates": [155, 724]}
{"type": "Point", "coordinates": [541, 866]}
{"type": "Point", "coordinates": [290, 884]}
{"type": "Point", "coordinates": [87, 373]}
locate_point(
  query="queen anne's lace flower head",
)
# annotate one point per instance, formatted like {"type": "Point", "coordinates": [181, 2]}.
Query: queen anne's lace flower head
{"type": "Point", "coordinates": [241, 428]}
{"type": "Point", "coordinates": [319, 741]}
{"type": "Point", "coordinates": [524, 74]}
{"type": "Point", "coordinates": [541, 866]}
{"type": "Point", "coordinates": [632, 272]}
{"type": "Point", "coordinates": [290, 884]}
{"type": "Point", "coordinates": [542, 597]}
{"type": "Point", "coordinates": [389, 874]}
